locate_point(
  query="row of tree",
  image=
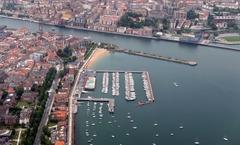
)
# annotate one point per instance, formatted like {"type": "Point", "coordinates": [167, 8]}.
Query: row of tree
{"type": "Point", "coordinates": [30, 134]}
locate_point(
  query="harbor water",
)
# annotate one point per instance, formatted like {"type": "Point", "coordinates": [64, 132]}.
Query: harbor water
{"type": "Point", "coordinates": [203, 107]}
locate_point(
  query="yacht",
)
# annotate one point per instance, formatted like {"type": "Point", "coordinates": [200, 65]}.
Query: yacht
{"type": "Point", "coordinates": [176, 84]}
{"type": "Point", "coordinates": [196, 142]}
{"type": "Point", "coordinates": [226, 139]}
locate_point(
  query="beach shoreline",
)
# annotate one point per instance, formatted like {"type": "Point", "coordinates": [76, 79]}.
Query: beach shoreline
{"type": "Point", "coordinates": [97, 54]}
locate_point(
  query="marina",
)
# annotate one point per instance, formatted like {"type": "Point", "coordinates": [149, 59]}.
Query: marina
{"type": "Point", "coordinates": [105, 83]}
{"type": "Point", "coordinates": [115, 84]}
{"type": "Point", "coordinates": [130, 94]}
{"type": "Point", "coordinates": [111, 102]}
{"type": "Point", "coordinates": [147, 86]}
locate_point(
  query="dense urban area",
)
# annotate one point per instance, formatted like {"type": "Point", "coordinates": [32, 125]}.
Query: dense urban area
{"type": "Point", "coordinates": [38, 69]}
{"type": "Point", "coordinates": [191, 21]}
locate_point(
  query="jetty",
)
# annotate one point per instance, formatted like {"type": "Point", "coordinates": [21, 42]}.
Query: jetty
{"type": "Point", "coordinates": [111, 102]}
{"type": "Point", "coordinates": [154, 56]}
{"type": "Point", "coordinates": [148, 87]}
{"type": "Point", "coordinates": [118, 71]}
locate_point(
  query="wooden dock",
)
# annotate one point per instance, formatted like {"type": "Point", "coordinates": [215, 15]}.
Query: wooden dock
{"type": "Point", "coordinates": [111, 102]}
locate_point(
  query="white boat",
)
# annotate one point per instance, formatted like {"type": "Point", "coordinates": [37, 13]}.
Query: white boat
{"type": "Point", "coordinates": [196, 142]}
{"type": "Point", "coordinates": [85, 92]}
{"type": "Point", "coordinates": [181, 127]}
{"type": "Point", "coordinates": [172, 134]}
{"type": "Point", "coordinates": [134, 127]}
{"type": "Point", "coordinates": [226, 139]}
{"type": "Point", "coordinates": [175, 84]}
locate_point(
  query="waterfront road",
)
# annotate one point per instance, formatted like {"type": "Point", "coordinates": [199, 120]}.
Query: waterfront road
{"type": "Point", "coordinates": [48, 107]}
{"type": "Point", "coordinates": [71, 100]}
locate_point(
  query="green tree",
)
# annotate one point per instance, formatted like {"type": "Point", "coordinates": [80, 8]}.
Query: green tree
{"type": "Point", "coordinates": [166, 24]}
{"type": "Point", "coordinates": [46, 131]}
{"type": "Point", "coordinates": [5, 94]}
{"type": "Point", "coordinates": [191, 15]}
{"type": "Point", "coordinates": [210, 22]}
{"type": "Point", "coordinates": [19, 91]}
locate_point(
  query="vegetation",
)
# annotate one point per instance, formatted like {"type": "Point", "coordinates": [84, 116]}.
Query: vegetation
{"type": "Point", "coordinates": [232, 25]}
{"type": "Point", "coordinates": [66, 55]}
{"type": "Point", "coordinates": [191, 15]}
{"type": "Point", "coordinates": [22, 104]}
{"type": "Point", "coordinates": [30, 133]}
{"type": "Point", "coordinates": [89, 51]}
{"type": "Point", "coordinates": [166, 24]}
{"type": "Point", "coordinates": [210, 22]}
{"type": "Point", "coordinates": [219, 11]}
{"type": "Point", "coordinates": [15, 111]}
{"type": "Point", "coordinates": [19, 91]}
{"type": "Point", "coordinates": [45, 136]}
{"type": "Point", "coordinates": [134, 20]}
{"type": "Point", "coordinates": [9, 6]}
{"type": "Point", "coordinates": [5, 94]}
{"type": "Point", "coordinates": [232, 38]}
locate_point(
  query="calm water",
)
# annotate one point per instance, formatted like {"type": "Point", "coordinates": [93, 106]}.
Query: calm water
{"type": "Point", "coordinates": [206, 103]}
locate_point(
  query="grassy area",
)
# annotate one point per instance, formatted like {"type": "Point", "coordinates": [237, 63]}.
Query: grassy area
{"type": "Point", "coordinates": [21, 104]}
{"type": "Point", "coordinates": [13, 143]}
{"type": "Point", "coordinates": [15, 135]}
{"type": "Point", "coordinates": [232, 38]}
{"type": "Point", "coordinates": [89, 52]}
{"type": "Point", "coordinates": [50, 124]}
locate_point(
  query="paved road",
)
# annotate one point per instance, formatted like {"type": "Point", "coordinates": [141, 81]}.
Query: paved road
{"type": "Point", "coordinates": [47, 111]}
{"type": "Point", "coordinates": [71, 105]}
{"type": "Point", "coordinates": [19, 136]}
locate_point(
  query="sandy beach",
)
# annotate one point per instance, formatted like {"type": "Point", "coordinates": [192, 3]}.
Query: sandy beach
{"type": "Point", "coordinates": [97, 54]}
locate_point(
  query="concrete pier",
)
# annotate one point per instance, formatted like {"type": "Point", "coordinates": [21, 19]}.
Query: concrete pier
{"type": "Point", "coordinates": [154, 56]}
{"type": "Point", "coordinates": [111, 102]}
{"type": "Point", "coordinates": [150, 87]}
{"type": "Point", "coordinates": [120, 71]}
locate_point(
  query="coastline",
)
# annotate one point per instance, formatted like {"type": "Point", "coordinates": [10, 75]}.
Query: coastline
{"type": "Point", "coordinates": [95, 56]}
{"type": "Point", "coordinates": [214, 45]}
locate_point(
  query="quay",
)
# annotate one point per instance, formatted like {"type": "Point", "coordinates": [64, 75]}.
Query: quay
{"type": "Point", "coordinates": [151, 97]}
{"type": "Point", "coordinates": [154, 56]}
{"type": "Point", "coordinates": [212, 45]}
{"type": "Point", "coordinates": [119, 71]}
{"type": "Point", "coordinates": [111, 102]}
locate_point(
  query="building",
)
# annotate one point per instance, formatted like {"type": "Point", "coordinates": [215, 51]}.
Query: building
{"type": "Point", "coordinates": [3, 76]}
{"type": "Point", "coordinates": [25, 116]}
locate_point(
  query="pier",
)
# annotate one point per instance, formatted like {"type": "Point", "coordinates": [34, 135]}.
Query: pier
{"type": "Point", "coordinates": [151, 96]}
{"type": "Point", "coordinates": [154, 56]}
{"type": "Point", "coordinates": [119, 71]}
{"type": "Point", "coordinates": [111, 102]}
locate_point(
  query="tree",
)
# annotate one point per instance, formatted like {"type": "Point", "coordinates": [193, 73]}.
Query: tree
{"type": "Point", "coordinates": [232, 24]}
{"type": "Point", "coordinates": [210, 22]}
{"type": "Point", "coordinates": [191, 15]}
{"type": "Point", "coordinates": [19, 91]}
{"type": "Point", "coordinates": [166, 24]}
{"type": "Point", "coordinates": [5, 94]}
{"type": "Point", "coordinates": [34, 87]}
{"type": "Point", "coordinates": [46, 131]}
